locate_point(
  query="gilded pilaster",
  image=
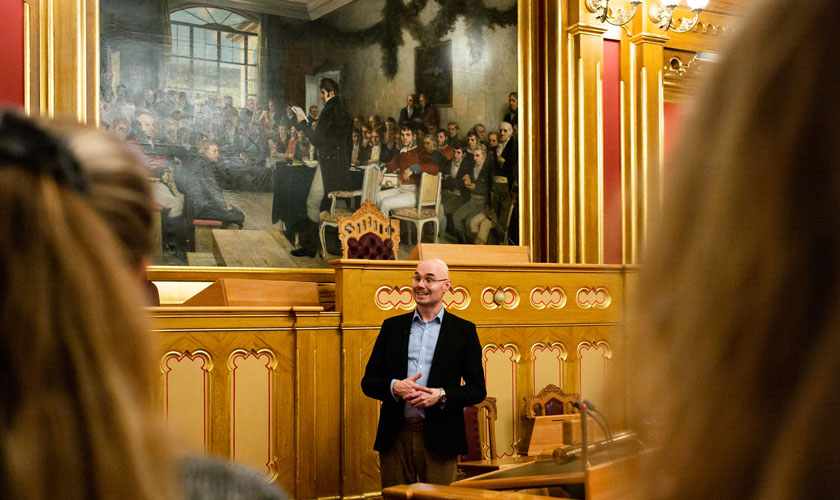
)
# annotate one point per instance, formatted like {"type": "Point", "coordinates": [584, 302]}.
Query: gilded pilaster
{"type": "Point", "coordinates": [643, 120]}
{"type": "Point", "coordinates": [585, 165]}
{"type": "Point", "coordinates": [62, 58]}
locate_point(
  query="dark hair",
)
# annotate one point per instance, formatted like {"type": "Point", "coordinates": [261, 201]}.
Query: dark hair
{"type": "Point", "coordinates": [514, 94]}
{"type": "Point", "coordinates": [329, 85]}
{"type": "Point", "coordinates": [407, 126]}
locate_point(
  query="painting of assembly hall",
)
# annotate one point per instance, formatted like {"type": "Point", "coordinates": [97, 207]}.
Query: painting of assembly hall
{"type": "Point", "coordinates": [262, 121]}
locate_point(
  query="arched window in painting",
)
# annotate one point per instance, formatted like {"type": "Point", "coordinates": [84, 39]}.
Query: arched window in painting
{"type": "Point", "coordinates": [214, 52]}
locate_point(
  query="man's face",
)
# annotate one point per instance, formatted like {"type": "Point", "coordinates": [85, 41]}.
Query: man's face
{"type": "Point", "coordinates": [281, 130]}
{"type": "Point", "coordinates": [479, 155]}
{"type": "Point", "coordinates": [410, 101]}
{"type": "Point", "coordinates": [422, 100]}
{"type": "Point", "coordinates": [472, 141]}
{"type": "Point", "coordinates": [228, 101]}
{"type": "Point", "coordinates": [147, 125]}
{"type": "Point", "coordinates": [356, 137]}
{"type": "Point", "coordinates": [212, 153]}
{"type": "Point", "coordinates": [430, 294]}
{"type": "Point", "coordinates": [375, 138]}
{"type": "Point", "coordinates": [302, 138]}
{"type": "Point", "coordinates": [252, 104]}
{"type": "Point", "coordinates": [482, 134]}
{"type": "Point", "coordinates": [459, 154]}
{"type": "Point", "coordinates": [453, 131]}
{"type": "Point", "coordinates": [324, 95]}
{"type": "Point", "coordinates": [429, 144]}
{"type": "Point", "coordinates": [366, 132]}
{"type": "Point", "coordinates": [505, 131]}
{"type": "Point", "coordinates": [121, 131]}
{"type": "Point", "coordinates": [372, 121]}
{"type": "Point", "coordinates": [406, 136]}
{"type": "Point", "coordinates": [441, 139]}
{"type": "Point", "coordinates": [493, 140]}
{"type": "Point", "coordinates": [513, 102]}
{"type": "Point", "coordinates": [313, 111]}
{"type": "Point", "coordinates": [357, 123]}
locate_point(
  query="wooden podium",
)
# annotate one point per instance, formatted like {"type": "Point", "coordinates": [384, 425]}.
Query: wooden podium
{"type": "Point", "coordinates": [471, 254]}
{"type": "Point", "coordinates": [244, 292]}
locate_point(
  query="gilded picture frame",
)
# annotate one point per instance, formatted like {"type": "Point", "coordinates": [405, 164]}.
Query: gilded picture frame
{"type": "Point", "coordinates": [62, 60]}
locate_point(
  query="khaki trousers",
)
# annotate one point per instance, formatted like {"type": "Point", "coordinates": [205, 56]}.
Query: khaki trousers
{"type": "Point", "coordinates": [408, 461]}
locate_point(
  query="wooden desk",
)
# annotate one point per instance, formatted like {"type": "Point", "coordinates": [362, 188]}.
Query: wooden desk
{"type": "Point", "coordinates": [256, 248]}
{"type": "Point", "coordinates": [423, 491]}
{"type": "Point", "coordinates": [527, 475]}
{"type": "Point", "coordinates": [475, 467]}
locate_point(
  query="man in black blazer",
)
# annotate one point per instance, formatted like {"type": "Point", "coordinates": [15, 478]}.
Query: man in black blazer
{"type": "Point", "coordinates": [415, 369]}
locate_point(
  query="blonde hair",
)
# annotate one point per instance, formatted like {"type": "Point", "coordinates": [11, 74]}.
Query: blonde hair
{"type": "Point", "coordinates": [119, 185]}
{"type": "Point", "coordinates": [737, 364]}
{"type": "Point", "coordinates": [78, 421]}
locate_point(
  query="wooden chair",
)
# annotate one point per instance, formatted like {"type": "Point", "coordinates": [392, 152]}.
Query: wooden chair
{"type": "Point", "coordinates": [368, 191]}
{"type": "Point", "coordinates": [368, 234]}
{"type": "Point", "coordinates": [480, 421]}
{"type": "Point", "coordinates": [428, 203]}
{"type": "Point", "coordinates": [551, 400]}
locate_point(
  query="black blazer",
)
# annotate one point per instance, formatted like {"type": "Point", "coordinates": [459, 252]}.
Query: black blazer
{"type": "Point", "coordinates": [457, 355]}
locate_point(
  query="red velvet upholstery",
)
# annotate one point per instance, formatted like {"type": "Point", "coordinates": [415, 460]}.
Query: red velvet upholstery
{"type": "Point", "coordinates": [473, 436]}
{"type": "Point", "coordinates": [369, 246]}
{"type": "Point", "coordinates": [553, 407]}
{"type": "Point", "coordinates": [207, 222]}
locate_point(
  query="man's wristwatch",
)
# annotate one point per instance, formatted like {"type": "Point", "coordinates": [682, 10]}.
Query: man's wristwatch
{"type": "Point", "coordinates": [442, 399]}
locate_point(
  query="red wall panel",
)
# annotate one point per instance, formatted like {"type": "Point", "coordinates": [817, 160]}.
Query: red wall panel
{"type": "Point", "coordinates": [612, 152]}
{"type": "Point", "coordinates": [11, 45]}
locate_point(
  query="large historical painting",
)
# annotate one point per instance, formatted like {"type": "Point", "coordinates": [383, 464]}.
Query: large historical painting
{"type": "Point", "coordinates": [255, 123]}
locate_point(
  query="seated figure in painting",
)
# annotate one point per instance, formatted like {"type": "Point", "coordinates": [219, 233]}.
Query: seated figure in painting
{"type": "Point", "coordinates": [453, 130]}
{"type": "Point", "coordinates": [358, 154]}
{"type": "Point", "coordinates": [443, 146]}
{"type": "Point", "coordinates": [409, 163]}
{"type": "Point", "coordinates": [199, 182]}
{"type": "Point", "coordinates": [477, 185]}
{"type": "Point", "coordinates": [378, 152]}
{"type": "Point", "coordinates": [166, 193]}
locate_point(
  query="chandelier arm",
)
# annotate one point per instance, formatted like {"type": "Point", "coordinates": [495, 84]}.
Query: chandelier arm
{"type": "Point", "coordinates": [621, 16]}
{"type": "Point", "coordinates": [686, 23]}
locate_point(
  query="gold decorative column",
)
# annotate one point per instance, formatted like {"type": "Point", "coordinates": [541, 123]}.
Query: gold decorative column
{"type": "Point", "coordinates": [584, 159]}
{"type": "Point", "coordinates": [62, 58]}
{"type": "Point", "coordinates": [642, 102]}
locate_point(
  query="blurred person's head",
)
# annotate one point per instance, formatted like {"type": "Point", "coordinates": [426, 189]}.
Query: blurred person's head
{"type": "Point", "coordinates": [428, 144]}
{"type": "Point", "coordinates": [453, 129]}
{"type": "Point", "coordinates": [77, 410]}
{"type": "Point", "coordinates": [492, 139]}
{"type": "Point", "coordinates": [737, 386]}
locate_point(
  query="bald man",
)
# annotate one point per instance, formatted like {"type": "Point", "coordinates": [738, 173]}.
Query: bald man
{"type": "Point", "coordinates": [415, 370]}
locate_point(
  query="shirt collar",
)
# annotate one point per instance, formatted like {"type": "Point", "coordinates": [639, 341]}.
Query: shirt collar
{"type": "Point", "coordinates": [439, 316]}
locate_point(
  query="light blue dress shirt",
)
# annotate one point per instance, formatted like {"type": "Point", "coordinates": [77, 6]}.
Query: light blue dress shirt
{"type": "Point", "coordinates": [421, 349]}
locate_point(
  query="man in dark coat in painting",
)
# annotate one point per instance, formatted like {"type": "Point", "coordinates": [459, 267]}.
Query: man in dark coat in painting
{"type": "Point", "coordinates": [332, 136]}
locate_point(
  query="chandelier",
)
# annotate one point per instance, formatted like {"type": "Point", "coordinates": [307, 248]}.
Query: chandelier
{"type": "Point", "coordinates": [618, 17]}
{"type": "Point", "coordinates": [664, 15]}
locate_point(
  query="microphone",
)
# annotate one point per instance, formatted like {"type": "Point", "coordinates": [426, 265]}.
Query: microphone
{"type": "Point", "coordinates": [584, 439]}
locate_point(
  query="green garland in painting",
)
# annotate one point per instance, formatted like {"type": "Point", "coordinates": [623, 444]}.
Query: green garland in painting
{"type": "Point", "coordinates": [398, 15]}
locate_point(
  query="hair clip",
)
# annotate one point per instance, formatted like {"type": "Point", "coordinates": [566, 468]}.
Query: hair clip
{"type": "Point", "coordinates": [26, 145]}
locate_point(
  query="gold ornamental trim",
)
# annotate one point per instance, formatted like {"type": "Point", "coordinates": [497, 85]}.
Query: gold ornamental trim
{"type": "Point", "coordinates": [394, 297]}
{"type": "Point", "coordinates": [500, 297]}
{"type": "Point", "coordinates": [552, 297]}
{"type": "Point", "coordinates": [457, 297]}
{"type": "Point", "coordinates": [595, 297]}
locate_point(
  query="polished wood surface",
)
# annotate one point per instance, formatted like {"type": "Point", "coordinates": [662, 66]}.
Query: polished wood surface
{"type": "Point", "coordinates": [241, 292]}
{"type": "Point", "coordinates": [475, 467]}
{"type": "Point", "coordinates": [535, 474]}
{"type": "Point", "coordinates": [423, 491]}
{"type": "Point", "coordinates": [471, 254]}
